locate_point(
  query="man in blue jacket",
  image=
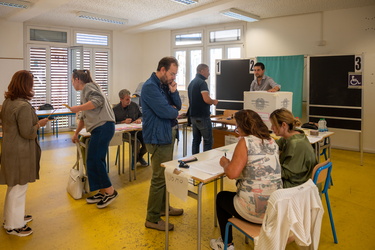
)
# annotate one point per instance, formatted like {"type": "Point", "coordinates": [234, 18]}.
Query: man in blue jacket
{"type": "Point", "coordinates": [160, 105]}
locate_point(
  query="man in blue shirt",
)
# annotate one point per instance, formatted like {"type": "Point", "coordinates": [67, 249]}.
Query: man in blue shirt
{"type": "Point", "coordinates": [199, 109]}
{"type": "Point", "coordinates": [263, 82]}
{"type": "Point", "coordinates": [160, 105]}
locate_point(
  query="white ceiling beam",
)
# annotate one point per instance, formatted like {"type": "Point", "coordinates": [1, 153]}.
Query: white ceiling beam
{"type": "Point", "coordinates": [182, 16]}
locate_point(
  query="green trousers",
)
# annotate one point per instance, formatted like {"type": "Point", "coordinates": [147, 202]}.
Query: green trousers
{"type": "Point", "coordinates": [156, 198]}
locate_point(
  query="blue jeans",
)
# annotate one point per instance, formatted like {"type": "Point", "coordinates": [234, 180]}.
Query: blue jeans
{"type": "Point", "coordinates": [96, 156]}
{"type": "Point", "coordinates": [202, 127]}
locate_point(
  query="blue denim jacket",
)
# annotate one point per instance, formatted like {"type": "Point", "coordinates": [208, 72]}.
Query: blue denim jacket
{"type": "Point", "coordinates": [158, 112]}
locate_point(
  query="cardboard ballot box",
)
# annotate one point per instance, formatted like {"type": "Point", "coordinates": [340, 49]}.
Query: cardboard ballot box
{"type": "Point", "coordinates": [264, 103]}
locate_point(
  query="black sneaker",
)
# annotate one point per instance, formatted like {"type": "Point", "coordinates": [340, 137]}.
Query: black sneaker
{"type": "Point", "coordinates": [24, 231]}
{"type": "Point", "coordinates": [107, 199]}
{"type": "Point", "coordinates": [95, 198]}
{"type": "Point", "coordinates": [143, 162]}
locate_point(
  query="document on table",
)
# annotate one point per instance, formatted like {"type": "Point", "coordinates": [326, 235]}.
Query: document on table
{"type": "Point", "coordinates": [211, 166]}
{"type": "Point", "coordinates": [314, 139]}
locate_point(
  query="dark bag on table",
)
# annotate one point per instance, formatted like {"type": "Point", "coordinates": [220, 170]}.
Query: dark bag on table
{"type": "Point", "coordinates": [309, 125]}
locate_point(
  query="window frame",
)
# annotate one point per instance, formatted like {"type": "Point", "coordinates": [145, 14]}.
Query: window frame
{"type": "Point", "coordinates": [71, 42]}
{"type": "Point", "coordinates": [108, 34]}
{"type": "Point", "coordinates": [29, 27]}
{"type": "Point", "coordinates": [230, 27]}
{"type": "Point", "coordinates": [186, 32]}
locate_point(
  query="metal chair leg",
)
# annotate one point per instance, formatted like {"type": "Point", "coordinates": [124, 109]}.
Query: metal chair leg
{"type": "Point", "coordinates": [331, 218]}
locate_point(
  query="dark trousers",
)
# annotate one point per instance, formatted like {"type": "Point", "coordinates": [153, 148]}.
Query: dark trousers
{"type": "Point", "coordinates": [225, 210]}
{"type": "Point", "coordinates": [96, 156]}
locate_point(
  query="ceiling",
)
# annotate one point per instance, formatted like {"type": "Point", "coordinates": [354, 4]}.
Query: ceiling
{"type": "Point", "coordinates": [147, 15]}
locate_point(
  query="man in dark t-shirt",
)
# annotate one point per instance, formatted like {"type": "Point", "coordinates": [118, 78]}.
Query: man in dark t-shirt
{"type": "Point", "coordinates": [199, 109]}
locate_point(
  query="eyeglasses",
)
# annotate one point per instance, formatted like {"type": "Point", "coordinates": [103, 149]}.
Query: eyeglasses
{"type": "Point", "coordinates": [172, 73]}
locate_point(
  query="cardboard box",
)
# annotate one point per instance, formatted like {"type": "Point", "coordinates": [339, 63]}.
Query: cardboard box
{"type": "Point", "coordinates": [264, 103]}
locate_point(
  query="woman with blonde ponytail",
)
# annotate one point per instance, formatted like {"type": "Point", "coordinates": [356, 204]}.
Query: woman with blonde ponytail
{"type": "Point", "coordinates": [297, 157]}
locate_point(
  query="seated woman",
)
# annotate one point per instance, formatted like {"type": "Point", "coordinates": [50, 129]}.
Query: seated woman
{"type": "Point", "coordinates": [255, 165]}
{"type": "Point", "coordinates": [297, 156]}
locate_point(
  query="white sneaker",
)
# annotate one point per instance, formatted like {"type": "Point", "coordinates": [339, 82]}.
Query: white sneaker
{"type": "Point", "coordinates": [218, 244]}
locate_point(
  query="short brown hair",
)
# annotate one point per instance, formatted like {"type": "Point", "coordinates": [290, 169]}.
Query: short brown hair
{"type": "Point", "coordinates": [166, 62]}
{"type": "Point", "coordinates": [279, 116]}
{"type": "Point", "coordinates": [21, 86]}
{"type": "Point", "coordinates": [251, 124]}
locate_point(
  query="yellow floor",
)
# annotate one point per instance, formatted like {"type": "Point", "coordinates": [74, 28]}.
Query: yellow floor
{"type": "Point", "coordinates": [63, 223]}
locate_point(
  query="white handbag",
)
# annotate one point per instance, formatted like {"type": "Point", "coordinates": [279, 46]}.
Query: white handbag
{"type": "Point", "coordinates": [78, 181]}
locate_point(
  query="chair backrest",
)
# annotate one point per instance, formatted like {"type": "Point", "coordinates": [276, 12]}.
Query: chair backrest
{"type": "Point", "coordinates": [322, 174]}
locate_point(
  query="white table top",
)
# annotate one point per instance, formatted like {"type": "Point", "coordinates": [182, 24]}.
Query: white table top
{"type": "Point", "coordinates": [119, 128]}
{"type": "Point", "coordinates": [54, 112]}
{"type": "Point", "coordinates": [212, 155]}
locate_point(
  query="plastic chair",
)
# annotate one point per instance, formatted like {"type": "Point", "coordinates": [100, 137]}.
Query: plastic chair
{"type": "Point", "coordinates": [322, 175]}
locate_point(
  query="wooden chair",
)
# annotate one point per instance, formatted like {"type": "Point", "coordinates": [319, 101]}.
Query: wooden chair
{"type": "Point", "coordinates": [321, 175]}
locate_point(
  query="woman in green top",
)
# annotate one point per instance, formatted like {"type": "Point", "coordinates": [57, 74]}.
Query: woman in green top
{"type": "Point", "coordinates": [297, 157]}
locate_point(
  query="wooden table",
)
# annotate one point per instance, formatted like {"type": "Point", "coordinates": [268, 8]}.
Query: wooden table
{"type": "Point", "coordinates": [219, 133]}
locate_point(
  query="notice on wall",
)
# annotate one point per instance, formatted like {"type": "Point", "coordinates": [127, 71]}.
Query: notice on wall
{"type": "Point", "coordinates": [354, 80]}
{"type": "Point", "coordinates": [177, 182]}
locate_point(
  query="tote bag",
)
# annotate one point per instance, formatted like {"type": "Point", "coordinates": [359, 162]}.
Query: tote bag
{"type": "Point", "coordinates": [78, 181]}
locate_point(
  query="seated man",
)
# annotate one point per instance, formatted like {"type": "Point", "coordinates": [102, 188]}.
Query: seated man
{"type": "Point", "coordinates": [128, 112]}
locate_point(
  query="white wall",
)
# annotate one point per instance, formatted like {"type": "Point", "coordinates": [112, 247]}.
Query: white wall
{"type": "Point", "coordinates": [126, 63]}
{"type": "Point", "coordinates": [11, 53]}
{"type": "Point", "coordinates": [348, 31]}
{"type": "Point", "coordinates": [135, 57]}
{"type": "Point", "coordinates": [155, 46]}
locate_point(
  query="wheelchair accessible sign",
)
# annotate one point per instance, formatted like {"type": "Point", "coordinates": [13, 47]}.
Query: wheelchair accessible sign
{"type": "Point", "coordinates": [354, 80]}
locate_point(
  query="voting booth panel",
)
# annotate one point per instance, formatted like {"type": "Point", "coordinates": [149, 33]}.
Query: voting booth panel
{"type": "Point", "coordinates": [264, 103]}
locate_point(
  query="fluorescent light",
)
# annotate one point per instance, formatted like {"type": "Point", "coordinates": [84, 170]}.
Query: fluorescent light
{"type": "Point", "coordinates": [186, 2]}
{"type": "Point", "coordinates": [240, 15]}
{"type": "Point", "coordinates": [101, 18]}
{"type": "Point", "coordinates": [15, 4]}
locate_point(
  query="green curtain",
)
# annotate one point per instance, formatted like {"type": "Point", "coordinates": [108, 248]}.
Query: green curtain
{"type": "Point", "coordinates": [288, 72]}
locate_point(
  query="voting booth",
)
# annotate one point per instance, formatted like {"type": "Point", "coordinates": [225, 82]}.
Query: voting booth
{"type": "Point", "coordinates": [264, 103]}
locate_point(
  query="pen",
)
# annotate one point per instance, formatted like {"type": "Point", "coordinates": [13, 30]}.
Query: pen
{"type": "Point", "coordinates": [225, 154]}
{"type": "Point", "coordinates": [51, 113]}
